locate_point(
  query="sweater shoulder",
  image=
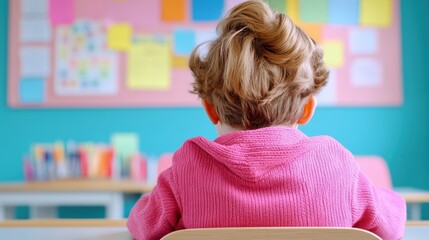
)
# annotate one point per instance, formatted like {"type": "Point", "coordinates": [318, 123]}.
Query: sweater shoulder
{"type": "Point", "coordinates": [188, 151]}
{"type": "Point", "coordinates": [335, 151]}
{"type": "Point", "coordinates": [331, 145]}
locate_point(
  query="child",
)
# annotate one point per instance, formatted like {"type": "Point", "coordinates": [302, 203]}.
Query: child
{"type": "Point", "coordinates": [257, 84]}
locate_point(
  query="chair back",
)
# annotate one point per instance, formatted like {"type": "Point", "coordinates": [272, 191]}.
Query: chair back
{"type": "Point", "coordinates": [272, 233]}
{"type": "Point", "coordinates": [165, 161]}
{"type": "Point", "coordinates": [376, 169]}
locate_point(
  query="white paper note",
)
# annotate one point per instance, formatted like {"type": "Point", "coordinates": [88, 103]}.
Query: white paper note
{"type": "Point", "coordinates": [35, 61]}
{"type": "Point", "coordinates": [204, 37]}
{"type": "Point", "coordinates": [35, 30]}
{"type": "Point", "coordinates": [328, 95]}
{"type": "Point", "coordinates": [363, 41]}
{"type": "Point", "coordinates": [84, 65]}
{"type": "Point", "coordinates": [366, 72]}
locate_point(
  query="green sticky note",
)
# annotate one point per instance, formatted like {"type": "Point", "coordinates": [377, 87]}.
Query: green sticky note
{"type": "Point", "coordinates": [125, 144]}
{"type": "Point", "coordinates": [278, 5]}
{"type": "Point", "coordinates": [314, 11]}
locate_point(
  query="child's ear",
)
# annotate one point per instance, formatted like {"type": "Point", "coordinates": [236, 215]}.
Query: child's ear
{"type": "Point", "coordinates": [308, 112]}
{"type": "Point", "coordinates": [211, 111]}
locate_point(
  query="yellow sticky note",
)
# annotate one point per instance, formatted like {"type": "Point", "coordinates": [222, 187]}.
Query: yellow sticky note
{"type": "Point", "coordinates": [149, 64]}
{"type": "Point", "coordinates": [376, 13]}
{"type": "Point", "coordinates": [333, 53]}
{"type": "Point", "coordinates": [119, 36]}
{"type": "Point", "coordinates": [292, 10]}
{"type": "Point", "coordinates": [179, 61]}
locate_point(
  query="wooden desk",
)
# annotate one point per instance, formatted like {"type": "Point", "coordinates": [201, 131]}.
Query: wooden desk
{"type": "Point", "coordinates": [417, 230]}
{"type": "Point", "coordinates": [44, 197]}
{"type": "Point", "coordinates": [65, 229]}
{"type": "Point", "coordinates": [64, 223]}
{"type": "Point", "coordinates": [78, 185]}
{"type": "Point", "coordinates": [115, 229]}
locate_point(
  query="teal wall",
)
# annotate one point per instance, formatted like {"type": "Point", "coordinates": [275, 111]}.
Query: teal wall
{"type": "Point", "coordinates": [399, 134]}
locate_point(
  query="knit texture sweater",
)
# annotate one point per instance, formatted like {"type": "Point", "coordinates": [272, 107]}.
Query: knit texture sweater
{"type": "Point", "coordinates": [274, 176]}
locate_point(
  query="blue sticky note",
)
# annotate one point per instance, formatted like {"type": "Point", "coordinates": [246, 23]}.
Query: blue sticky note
{"type": "Point", "coordinates": [207, 10]}
{"type": "Point", "coordinates": [344, 12]}
{"type": "Point", "coordinates": [184, 41]}
{"type": "Point", "coordinates": [32, 90]}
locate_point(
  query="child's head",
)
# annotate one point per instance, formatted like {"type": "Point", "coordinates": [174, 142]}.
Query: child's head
{"type": "Point", "coordinates": [261, 71]}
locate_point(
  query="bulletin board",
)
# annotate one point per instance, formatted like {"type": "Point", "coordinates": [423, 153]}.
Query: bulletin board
{"type": "Point", "coordinates": [134, 53]}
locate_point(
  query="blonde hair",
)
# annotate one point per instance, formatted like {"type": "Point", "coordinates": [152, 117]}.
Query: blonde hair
{"type": "Point", "coordinates": [260, 70]}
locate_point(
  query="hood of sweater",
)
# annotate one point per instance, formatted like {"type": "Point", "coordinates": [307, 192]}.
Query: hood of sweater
{"type": "Point", "coordinates": [253, 154]}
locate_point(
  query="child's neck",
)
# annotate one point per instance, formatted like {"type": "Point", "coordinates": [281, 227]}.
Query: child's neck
{"type": "Point", "coordinates": [223, 129]}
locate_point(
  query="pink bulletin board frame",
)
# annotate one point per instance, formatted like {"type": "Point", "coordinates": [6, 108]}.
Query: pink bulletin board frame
{"type": "Point", "coordinates": [388, 93]}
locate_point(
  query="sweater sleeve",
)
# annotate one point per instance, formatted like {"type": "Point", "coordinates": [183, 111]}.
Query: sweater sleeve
{"type": "Point", "coordinates": [156, 214]}
{"type": "Point", "coordinates": [380, 211]}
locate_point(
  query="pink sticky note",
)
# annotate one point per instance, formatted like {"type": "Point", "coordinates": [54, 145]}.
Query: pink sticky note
{"type": "Point", "coordinates": [61, 11]}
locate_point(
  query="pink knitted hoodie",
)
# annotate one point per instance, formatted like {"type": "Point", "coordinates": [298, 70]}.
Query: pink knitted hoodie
{"type": "Point", "coordinates": [272, 176]}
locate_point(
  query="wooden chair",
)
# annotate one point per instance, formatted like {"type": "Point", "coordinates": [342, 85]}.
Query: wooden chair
{"type": "Point", "coordinates": [272, 233]}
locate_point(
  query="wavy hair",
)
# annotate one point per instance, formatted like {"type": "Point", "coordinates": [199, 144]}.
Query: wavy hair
{"type": "Point", "coordinates": [260, 70]}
